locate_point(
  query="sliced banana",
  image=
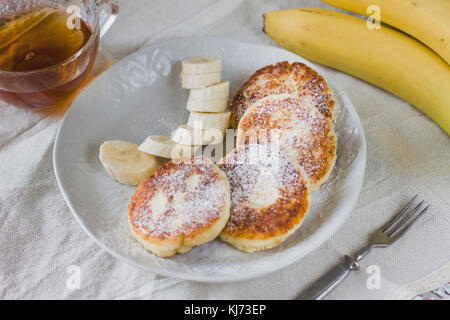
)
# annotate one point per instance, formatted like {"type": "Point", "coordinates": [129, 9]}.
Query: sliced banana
{"type": "Point", "coordinates": [201, 65]}
{"type": "Point", "coordinates": [125, 163]}
{"type": "Point", "coordinates": [207, 105]}
{"type": "Point", "coordinates": [197, 137]}
{"type": "Point", "coordinates": [203, 120]}
{"type": "Point", "coordinates": [163, 146]}
{"type": "Point", "coordinates": [198, 81]}
{"type": "Point", "coordinates": [218, 91]}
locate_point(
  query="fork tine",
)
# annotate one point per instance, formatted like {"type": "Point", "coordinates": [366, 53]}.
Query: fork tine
{"type": "Point", "coordinates": [408, 216]}
{"type": "Point", "coordinates": [394, 219]}
{"type": "Point", "coordinates": [401, 232]}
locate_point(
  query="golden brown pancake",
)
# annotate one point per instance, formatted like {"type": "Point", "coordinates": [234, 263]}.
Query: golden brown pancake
{"type": "Point", "coordinates": [295, 79]}
{"type": "Point", "coordinates": [304, 133]}
{"type": "Point", "coordinates": [184, 204]}
{"type": "Point", "coordinates": [269, 197]}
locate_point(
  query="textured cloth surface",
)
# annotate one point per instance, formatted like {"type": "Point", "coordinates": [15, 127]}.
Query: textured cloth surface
{"type": "Point", "coordinates": [434, 286]}
{"type": "Point", "coordinates": [41, 244]}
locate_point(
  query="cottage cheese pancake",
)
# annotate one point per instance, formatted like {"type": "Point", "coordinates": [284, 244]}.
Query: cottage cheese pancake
{"type": "Point", "coordinates": [296, 79]}
{"type": "Point", "coordinates": [184, 204]}
{"type": "Point", "coordinates": [269, 197]}
{"type": "Point", "coordinates": [304, 133]}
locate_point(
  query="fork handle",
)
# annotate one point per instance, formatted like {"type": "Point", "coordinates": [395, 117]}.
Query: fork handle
{"type": "Point", "coordinates": [329, 281]}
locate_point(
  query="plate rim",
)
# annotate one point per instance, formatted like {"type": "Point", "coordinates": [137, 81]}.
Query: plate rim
{"type": "Point", "coordinates": [315, 240]}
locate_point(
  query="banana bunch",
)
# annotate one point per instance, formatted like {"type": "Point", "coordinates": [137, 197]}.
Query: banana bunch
{"type": "Point", "coordinates": [384, 57]}
{"type": "Point", "coordinates": [425, 20]}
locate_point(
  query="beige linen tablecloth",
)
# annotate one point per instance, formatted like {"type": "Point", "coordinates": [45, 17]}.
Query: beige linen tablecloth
{"type": "Point", "coordinates": [42, 247]}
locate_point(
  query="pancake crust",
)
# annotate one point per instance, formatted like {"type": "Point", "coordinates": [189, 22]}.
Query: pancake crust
{"type": "Point", "coordinates": [269, 197]}
{"type": "Point", "coordinates": [301, 130]}
{"type": "Point", "coordinates": [296, 79]}
{"type": "Point", "coordinates": [184, 204]}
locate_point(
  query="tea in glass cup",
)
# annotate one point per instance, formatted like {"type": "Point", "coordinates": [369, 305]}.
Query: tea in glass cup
{"type": "Point", "coordinates": [47, 49]}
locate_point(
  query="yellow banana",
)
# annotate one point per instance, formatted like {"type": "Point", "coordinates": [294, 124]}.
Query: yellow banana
{"type": "Point", "coordinates": [426, 20]}
{"type": "Point", "coordinates": [385, 57]}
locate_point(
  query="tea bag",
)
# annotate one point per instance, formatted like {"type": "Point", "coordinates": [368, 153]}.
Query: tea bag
{"type": "Point", "coordinates": [14, 29]}
{"type": "Point", "coordinates": [44, 39]}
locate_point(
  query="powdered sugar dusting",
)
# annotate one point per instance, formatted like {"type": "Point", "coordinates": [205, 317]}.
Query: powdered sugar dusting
{"type": "Point", "coordinates": [296, 79]}
{"type": "Point", "coordinates": [180, 198]}
{"type": "Point", "coordinates": [305, 134]}
{"type": "Point", "coordinates": [246, 166]}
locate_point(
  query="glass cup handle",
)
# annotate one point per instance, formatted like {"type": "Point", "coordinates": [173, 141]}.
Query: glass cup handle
{"type": "Point", "coordinates": [107, 12]}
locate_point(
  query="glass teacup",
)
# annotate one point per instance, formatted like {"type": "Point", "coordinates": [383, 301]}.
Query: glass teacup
{"type": "Point", "coordinates": [48, 48]}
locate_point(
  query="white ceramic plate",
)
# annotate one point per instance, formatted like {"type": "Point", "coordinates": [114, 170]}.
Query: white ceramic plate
{"type": "Point", "coordinates": [141, 96]}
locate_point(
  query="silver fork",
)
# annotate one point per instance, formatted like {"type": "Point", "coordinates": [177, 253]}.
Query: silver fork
{"type": "Point", "coordinates": [381, 238]}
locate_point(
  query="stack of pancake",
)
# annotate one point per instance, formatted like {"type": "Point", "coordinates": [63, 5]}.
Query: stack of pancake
{"type": "Point", "coordinates": [285, 149]}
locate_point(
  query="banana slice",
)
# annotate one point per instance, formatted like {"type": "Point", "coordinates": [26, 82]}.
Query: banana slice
{"type": "Point", "coordinates": [197, 137]}
{"type": "Point", "coordinates": [198, 81]}
{"type": "Point", "coordinates": [202, 120]}
{"type": "Point", "coordinates": [201, 65]}
{"type": "Point", "coordinates": [163, 146]}
{"type": "Point", "coordinates": [125, 163]}
{"type": "Point", "coordinates": [207, 105]}
{"type": "Point", "coordinates": [218, 91]}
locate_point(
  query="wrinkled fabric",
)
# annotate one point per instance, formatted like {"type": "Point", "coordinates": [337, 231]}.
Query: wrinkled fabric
{"type": "Point", "coordinates": [42, 247]}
